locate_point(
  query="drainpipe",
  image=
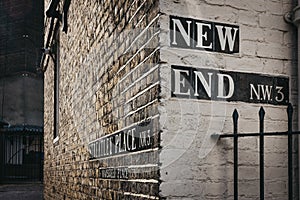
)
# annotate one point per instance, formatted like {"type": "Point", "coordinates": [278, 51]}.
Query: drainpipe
{"type": "Point", "coordinates": [296, 22]}
{"type": "Point", "coordinates": [294, 18]}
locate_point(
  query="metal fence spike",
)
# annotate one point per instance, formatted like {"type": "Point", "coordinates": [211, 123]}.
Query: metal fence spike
{"type": "Point", "coordinates": [235, 115]}
{"type": "Point", "coordinates": [261, 113]}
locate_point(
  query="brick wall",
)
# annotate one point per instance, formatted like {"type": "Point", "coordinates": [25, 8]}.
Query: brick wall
{"type": "Point", "coordinates": [108, 82]}
{"type": "Point", "coordinates": [195, 166]}
{"type": "Point", "coordinates": [115, 75]}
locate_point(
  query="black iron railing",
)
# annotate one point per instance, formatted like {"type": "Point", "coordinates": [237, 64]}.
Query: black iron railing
{"type": "Point", "coordinates": [21, 155]}
{"type": "Point", "coordinates": [262, 136]}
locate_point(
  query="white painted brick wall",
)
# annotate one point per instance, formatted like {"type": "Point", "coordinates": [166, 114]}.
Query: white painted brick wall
{"type": "Point", "coordinates": [194, 166]}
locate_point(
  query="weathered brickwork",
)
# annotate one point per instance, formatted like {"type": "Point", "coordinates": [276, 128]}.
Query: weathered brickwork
{"type": "Point", "coordinates": [108, 81]}
{"type": "Point", "coordinates": [115, 74]}
{"type": "Point", "coordinates": [266, 47]}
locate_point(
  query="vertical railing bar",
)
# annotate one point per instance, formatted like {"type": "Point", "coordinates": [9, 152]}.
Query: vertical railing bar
{"type": "Point", "coordinates": [3, 154]}
{"type": "Point", "coordinates": [19, 155]}
{"type": "Point", "coordinates": [290, 150]}
{"type": "Point", "coordinates": [235, 117]}
{"type": "Point", "coordinates": [261, 151]}
{"type": "Point", "coordinates": [40, 157]}
{"type": "Point", "coordinates": [2, 161]}
{"type": "Point", "coordinates": [14, 156]}
{"type": "Point", "coordinates": [27, 166]}
{"type": "Point", "coordinates": [6, 151]}
{"type": "Point", "coordinates": [37, 164]}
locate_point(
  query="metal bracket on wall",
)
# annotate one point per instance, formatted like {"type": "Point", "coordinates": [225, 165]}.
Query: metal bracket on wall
{"type": "Point", "coordinates": [293, 17]}
{"type": "Point", "coordinates": [53, 11]}
{"type": "Point", "coordinates": [65, 15]}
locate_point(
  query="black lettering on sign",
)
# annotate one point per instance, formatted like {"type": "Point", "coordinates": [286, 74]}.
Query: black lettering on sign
{"type": "Point", "coordinates": [209, 84]}
{"type": "Point", "coordinates": [134, 138]}
{"type": "Point", "coordinates": [204, 35]}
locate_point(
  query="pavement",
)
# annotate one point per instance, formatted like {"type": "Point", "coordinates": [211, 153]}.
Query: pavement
{"type": "Point", "coordinates": [30, 191]}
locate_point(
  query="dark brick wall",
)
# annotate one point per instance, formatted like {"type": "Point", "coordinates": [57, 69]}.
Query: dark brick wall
{"type": "Point", "coordinates": [108, 82]}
